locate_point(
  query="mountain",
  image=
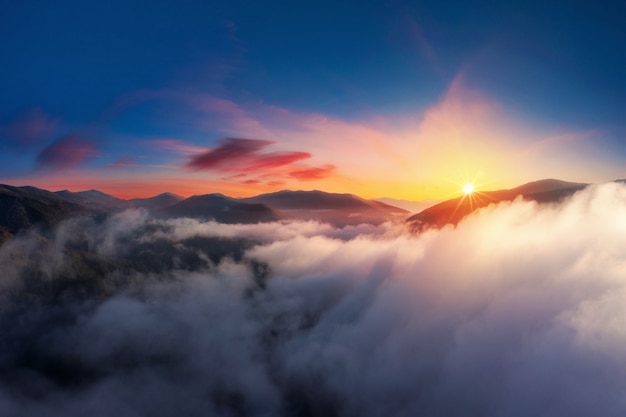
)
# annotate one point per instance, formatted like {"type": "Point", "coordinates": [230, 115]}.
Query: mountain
{"type": "Point", "coordinates": [93, 199]}
{"type": "Point", "coordinates": [222, 209]}
{"type": "Point", "coordinates": [23, 207]}
{"type": "Point", "coordinates": [337, 209]}
{"type": "Point", "coordinates": [452, 211]}
{"type": "Point", "coordinates": [97, 200]}
{"type": "Point", "coordinates": [157, 202]}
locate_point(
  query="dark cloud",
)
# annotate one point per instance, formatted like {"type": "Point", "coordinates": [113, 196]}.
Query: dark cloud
{"type": "Point", "coordinates": [310, 174]}
{"type": "Point", "coordinates": [67, 152]}
{"type": "Point", "coordinates": [134, 316]}
{"type": "Point", "coordinates": [243, 155]}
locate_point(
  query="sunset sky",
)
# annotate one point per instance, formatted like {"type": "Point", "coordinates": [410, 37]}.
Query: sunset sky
{"type": "Point", "coordinates": [403, 99]}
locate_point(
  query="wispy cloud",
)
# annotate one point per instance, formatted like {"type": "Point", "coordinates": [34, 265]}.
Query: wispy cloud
{"type": "Point", "coordinates": [177, 146]}
{"type": "Point", "coordinates": [244, 156]}
{"type": "Point", "coordinates": [124, 162]}
{"type": "Point", "coordinates": [465, 133]}
{"type": "Point", "coordinates": [423, 45]}
{"type": "Point", "coordinates": [315, 173]}
{"type": "Point", "coordinates": [423, 154]}
{"type": "Point", "coordinates": [29, 129]}
{"type": "Point", "coordinates": [67, 152]}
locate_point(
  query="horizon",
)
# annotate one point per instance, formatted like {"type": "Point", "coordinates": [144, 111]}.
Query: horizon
{"type": "Point", "coordinates": [408, 101]}
{"type": "Point", "coordinates": [459, 193]}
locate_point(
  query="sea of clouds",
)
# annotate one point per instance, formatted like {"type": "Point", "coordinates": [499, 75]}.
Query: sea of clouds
{"type": "Point", "coordinates": [520, 310]}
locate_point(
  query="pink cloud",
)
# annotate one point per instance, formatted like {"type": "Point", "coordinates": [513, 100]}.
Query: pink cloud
{"type": "Point", "coordinates": [242, 156]}
{"type": "Point", "coordinates": [464, 133]}
{"type": "Point", "coordinates": [235, 176]}
{"type": "Point", "coordinates": [67, 152]}
{"type": "Point", "coordinates": [276, 159]}
{"type": "Point", "coordinates": [315, 173]}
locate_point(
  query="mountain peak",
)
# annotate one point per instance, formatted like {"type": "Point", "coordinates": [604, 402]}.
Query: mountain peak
{"type": "Point", "coordinates": [454, 210]}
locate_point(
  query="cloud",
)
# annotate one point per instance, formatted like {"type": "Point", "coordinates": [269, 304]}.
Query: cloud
{"type": "Point", "coordinates": [67, 152]}
{"type": "Point", "coordinates": [315, 173]}
{"type": "Point", "coordinates": [244, 156]}
{"type": "Point", "coordinates": [177, 146]}
{"type": "Point", "coordinates": [425, 152]}
{"type": "Point", "coordinates": [251, 182]}
{"type": "Point", "coordinates": [414, 32]}
{"type": "Point", "coordinates": [124, 162]}
{"type": "Point", "coordinates": [30, 128]}
{"type": "Point", "coordinates": [517, 311]}
{"type": "Point", "coordinates": [458, 136]}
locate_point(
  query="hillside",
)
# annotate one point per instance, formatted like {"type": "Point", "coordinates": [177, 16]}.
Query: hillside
{"type": "Point", "coordinates": [24, 207]}
{"type": "Point", "coordinates": [453, 210]}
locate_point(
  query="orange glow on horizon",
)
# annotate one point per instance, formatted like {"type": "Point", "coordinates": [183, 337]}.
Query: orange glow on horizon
{"type": "Point", "coordinates": [431, 154]}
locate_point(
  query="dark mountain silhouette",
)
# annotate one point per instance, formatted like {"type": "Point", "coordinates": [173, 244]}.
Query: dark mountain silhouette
{"type": "Point", "coordinates": [452, 211]}
{"type": "Point", "coordinates": [97, 200]}
{"type": "Point", "coordinates": [222, 209]}
{"type": "Point", "coordinates": [23, 207]}
{"type": "Point", "coordinates": [157, 202]}
{"type": "Point", "coordinates": [337, 209]}
{"type": "Point", "coordinates": [94, 199]}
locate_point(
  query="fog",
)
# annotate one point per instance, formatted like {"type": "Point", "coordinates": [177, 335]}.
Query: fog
{"type": "Point", "coordinates": [520, 310]}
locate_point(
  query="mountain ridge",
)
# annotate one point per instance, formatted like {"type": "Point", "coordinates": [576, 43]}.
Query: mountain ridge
{"type": "Point", "coordinates": [222, 209]}
{"type": "Point", "coordinates": [339, 209]}
{"type": "Point", "coordinates": [452, 211]}
{"type": "Point", "coordinates": [26, 206]}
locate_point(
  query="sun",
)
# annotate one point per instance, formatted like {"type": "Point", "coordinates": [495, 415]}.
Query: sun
{"type": "Point", "coordinates": [468, 189]}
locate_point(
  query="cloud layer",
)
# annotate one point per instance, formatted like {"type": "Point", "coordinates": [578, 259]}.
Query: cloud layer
{"type": "Point", "coordinates": [518, 311]}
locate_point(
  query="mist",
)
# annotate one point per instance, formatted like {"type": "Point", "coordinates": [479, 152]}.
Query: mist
{"type": "Point", "coordinates": [519, 310]}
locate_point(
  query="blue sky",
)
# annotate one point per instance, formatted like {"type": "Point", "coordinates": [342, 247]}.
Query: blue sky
{"type": "Point", "coordinates": [120, 77]}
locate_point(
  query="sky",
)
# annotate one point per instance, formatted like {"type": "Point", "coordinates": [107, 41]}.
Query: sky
{"type": "Point", "coordinates": [399, 99]}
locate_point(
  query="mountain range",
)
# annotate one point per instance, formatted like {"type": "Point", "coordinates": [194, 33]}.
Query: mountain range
{"type": "Point", "coordinates": [24, 207]}
{"type": "Point", "coordinates": [97, 200]}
